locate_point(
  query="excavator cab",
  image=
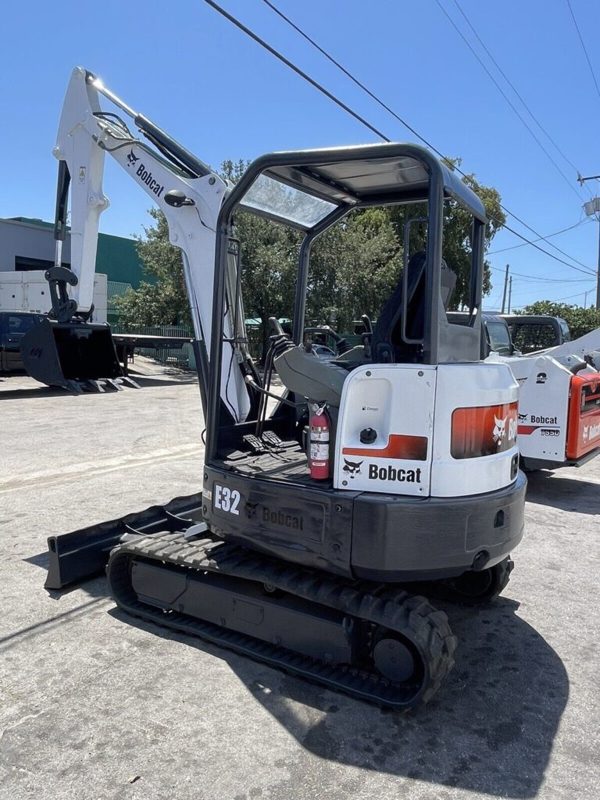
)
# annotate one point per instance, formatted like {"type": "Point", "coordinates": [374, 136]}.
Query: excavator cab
{"type": "Point", "coordinates": [417, 423]}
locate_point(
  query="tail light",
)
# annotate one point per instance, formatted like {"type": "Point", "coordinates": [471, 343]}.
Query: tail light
{"type": "Point", "coordinates": [483, 430]}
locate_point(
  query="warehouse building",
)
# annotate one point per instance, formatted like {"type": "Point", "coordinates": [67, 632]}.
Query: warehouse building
{"type": "Point", "coordinates": [28, 244]}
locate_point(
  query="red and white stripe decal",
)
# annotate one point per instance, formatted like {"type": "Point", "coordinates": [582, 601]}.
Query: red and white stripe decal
{"type": "Point", "coordinates": [525, 430]}
{"type": "Point", "coordinates": [399, 446]}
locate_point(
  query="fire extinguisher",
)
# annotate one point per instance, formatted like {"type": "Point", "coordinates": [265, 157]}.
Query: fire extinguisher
{"type": "Point", "coordinates": [318, 443]}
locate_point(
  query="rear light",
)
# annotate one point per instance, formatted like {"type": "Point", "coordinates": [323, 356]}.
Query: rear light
{"type": "Point", "coordinates": [483, 430]}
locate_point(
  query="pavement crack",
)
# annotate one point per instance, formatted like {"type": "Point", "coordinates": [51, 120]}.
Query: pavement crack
{"type": "Point", "coordinates": [22, 721]}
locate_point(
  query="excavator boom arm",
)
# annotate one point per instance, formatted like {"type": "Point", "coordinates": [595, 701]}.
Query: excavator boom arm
{"type": "Point", "coordinates": [188, 193]}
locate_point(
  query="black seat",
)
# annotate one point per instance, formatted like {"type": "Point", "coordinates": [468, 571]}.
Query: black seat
{"type": "Point", "coordinates": [387, 343]}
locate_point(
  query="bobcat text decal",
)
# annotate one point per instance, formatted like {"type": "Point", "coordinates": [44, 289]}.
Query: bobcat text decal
{"type": "Point", "coordinates": [590, 432]}
{"type": "Point", "coordinates": [144, 174]}
{"type": "Point", "coordinates": [394, 474]}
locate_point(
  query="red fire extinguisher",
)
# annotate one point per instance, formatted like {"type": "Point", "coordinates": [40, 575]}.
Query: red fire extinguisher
{"type": "Point", "coordinates": [318, 443]}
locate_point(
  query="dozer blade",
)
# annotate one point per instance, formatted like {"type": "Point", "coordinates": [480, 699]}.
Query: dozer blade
{"type": "Point", "coordinates": [70, 355]}
{"type": "Point", "coordinates": [81, 554]}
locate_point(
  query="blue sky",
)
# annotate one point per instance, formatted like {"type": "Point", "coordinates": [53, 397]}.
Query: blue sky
{"type": "Point", "coordinates": [195, 75]}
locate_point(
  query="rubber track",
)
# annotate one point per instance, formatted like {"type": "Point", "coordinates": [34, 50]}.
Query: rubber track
{"type": "Point", "coordinates": [410, 616]}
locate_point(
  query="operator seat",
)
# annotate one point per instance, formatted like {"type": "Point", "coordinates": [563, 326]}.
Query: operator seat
{"type": "Point", "coordinates": [303, 373]}
{"type": "Point", "coordinates": [387, 344]}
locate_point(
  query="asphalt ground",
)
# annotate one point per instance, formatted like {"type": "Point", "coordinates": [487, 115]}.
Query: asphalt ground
{"type": "Point", "coordinates": [94, 704]}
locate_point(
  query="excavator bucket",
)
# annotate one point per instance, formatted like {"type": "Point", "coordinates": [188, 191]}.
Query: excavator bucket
{"type": "Point", "coordinates": [71, 355]}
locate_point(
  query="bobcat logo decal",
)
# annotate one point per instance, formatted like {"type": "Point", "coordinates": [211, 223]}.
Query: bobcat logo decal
{"type": "Point", "coordinates": [352, 467]}
{"type": "Point", "coordinates": [499, 431]}
{"type": "Point", "coordinates": [132, 158]}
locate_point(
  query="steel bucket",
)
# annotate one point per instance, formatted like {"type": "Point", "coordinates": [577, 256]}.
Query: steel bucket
{"type": "Point", "coordinates": [67, 354]}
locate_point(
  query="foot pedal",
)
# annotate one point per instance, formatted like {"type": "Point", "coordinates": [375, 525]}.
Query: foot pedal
{"type": "Point", "coordinates": [254, 443]}
{"type": "Point", "coordinates": [271, 439]}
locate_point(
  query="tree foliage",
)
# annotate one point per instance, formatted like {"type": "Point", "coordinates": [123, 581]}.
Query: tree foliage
{"type": "Point", "coordinates": [579, 320]}
{"type": "Point", "coordinates": [163, 301]}
{"type": "Point", "coordinates": [457, 229]}
{"type": "Point", "coordinates": [354, 267]}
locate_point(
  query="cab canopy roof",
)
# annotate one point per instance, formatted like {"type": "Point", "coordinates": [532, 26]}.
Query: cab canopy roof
{"type": "Point", "coordinates": [305, 187]}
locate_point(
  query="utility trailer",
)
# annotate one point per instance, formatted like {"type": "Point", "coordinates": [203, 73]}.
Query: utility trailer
{"type": "Point", "coordinates": [127, 343]}
{"type": "Point", "coordinates": [534, 332]}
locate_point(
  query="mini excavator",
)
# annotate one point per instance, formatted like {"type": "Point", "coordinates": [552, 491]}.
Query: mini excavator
{"type": "Point", "coordinates": [395, 462]}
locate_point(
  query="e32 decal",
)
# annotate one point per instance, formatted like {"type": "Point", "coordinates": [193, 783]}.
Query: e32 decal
{"type": "Point", "coordinates": [226, 499]}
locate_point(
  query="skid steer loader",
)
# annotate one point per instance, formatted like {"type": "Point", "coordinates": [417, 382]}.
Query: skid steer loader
{"type": "Point", "coordinates": [394, 463]}
{"type": "Point", "coordinates": [559, 395]}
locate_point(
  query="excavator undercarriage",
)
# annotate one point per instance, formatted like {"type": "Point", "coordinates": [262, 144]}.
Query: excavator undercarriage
{"type": "Point", "coordinates": [370, 640]}
{"type": "Point", "coordinates": [377, 641]}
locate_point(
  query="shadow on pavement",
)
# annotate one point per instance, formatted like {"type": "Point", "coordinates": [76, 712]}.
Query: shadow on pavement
{"type": "Point", "coordinates": [15, 638]}
{"type": "Point", "coordinates": [564, 492]}
{"type": "Point", "coordinates": [151, 380]}
{"type": "Point", "coordinates": [144, 381]}
{"type": "Point", "coordinates": [490, 729]}
{"type": "Point", "coordinates": [33, 392]}
{"type": "Point", "coordinates": [39, 560]}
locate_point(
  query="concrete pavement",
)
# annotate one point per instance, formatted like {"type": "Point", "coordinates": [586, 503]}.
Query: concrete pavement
{"type": "Point", "coordinates": [97, 705]}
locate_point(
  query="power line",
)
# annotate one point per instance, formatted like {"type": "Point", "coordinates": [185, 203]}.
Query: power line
{"type": "Point", "coordinates": [535, 279]}
{"type": "Point", "coordinates": [521, 294]}
{"type": "Point", "coordinates": [354, 80]}
{"type": "Point", "coordinates": [550, 235]}
{"type": "Point", "coordinates": [514, 88]}
{"type": "Point", "coordinates": [570, 296]}
{"type": "Point", "coordinates": [585, 269]}
{"type": "Point", "coordinates": [508, 100]}
{"type": "Point", "coordinates": [378, 100]}
{"type": "Point", "coordinates": [296, 69]}
{"type": "Point", "coordinates": [584, 48]}
{"type": "Point", "coordinates": [373, 129]}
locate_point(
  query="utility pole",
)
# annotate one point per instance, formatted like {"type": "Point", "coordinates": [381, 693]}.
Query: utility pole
{"type": "Point", "coordinates": [504, 292]}
{"type": "Point", "coordinates": [592, 209]}
{"type": "Point", "coordinates": [509, 292]}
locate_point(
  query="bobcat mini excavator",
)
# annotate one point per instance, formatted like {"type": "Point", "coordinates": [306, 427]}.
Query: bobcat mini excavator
{"type": "Point", "coordinates": [394, 463]}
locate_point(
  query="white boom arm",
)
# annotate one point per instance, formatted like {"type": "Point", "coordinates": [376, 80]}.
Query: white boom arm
{"type": "Point", "coordinates": [587, 345]}
{"type": "Point", "coordinates": [190, 204]}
